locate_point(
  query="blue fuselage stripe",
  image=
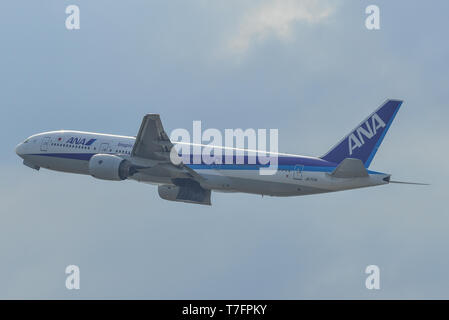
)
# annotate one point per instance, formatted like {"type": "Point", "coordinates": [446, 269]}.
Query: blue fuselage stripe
{"type": "Point", "coordinates": [203, 166]}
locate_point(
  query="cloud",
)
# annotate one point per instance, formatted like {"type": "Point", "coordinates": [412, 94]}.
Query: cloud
{"type": "Point", "coordinates": [276, 18]}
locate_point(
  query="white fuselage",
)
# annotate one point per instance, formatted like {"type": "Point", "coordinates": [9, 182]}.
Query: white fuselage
{"type": "Point", "coordinates": [70, 151]}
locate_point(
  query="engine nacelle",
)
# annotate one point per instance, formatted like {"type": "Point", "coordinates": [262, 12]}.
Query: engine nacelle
{"type": "Point", "coordinates": [110, 167]}
{"type": "Point", "coordinates": [168, 192]}
{"type": "Point", "coordinates": [187, 193]}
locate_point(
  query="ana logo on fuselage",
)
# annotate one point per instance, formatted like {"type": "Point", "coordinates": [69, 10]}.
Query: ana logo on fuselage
{"type": "Point", "coordinates": [356, 139]}
{"type": "Point", "coordinates": [81, 141]}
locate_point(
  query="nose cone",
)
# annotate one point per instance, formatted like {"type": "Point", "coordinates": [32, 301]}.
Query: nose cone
{"type": "Point", "coordinates": [19, 149]}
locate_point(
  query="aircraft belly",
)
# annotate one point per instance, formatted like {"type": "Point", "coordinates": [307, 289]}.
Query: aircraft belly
{"type": "Point", "coordinates": [282, 183]}
{"type": "Point", "coordinates": [60, 164]}
{"type": "Point", "coordinates": [250, 181]}
{"type": "Point", "coordinates": [145, 178]}
{"type": "Point", "coordinates": [337, 184]}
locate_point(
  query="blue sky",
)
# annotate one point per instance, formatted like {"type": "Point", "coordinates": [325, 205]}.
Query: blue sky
{"type": "Point", "coordinates": [309, 68]}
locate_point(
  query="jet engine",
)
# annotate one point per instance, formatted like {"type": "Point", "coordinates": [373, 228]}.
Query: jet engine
{"type": "Point", "coordinates": [110, 167]}
{"type": "Point", "coordinates": [190, 192]}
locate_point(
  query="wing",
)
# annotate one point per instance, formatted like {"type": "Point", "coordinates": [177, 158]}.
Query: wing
{"type": "Point", "coordinates": [152, 143]}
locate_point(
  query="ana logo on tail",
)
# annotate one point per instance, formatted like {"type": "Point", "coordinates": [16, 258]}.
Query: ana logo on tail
{"type": "Point", "coordinates": [356, 141]}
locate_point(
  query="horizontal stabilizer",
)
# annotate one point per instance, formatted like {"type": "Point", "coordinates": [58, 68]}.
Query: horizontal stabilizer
{"type": "Point", "coordinates": [417, 183]}
{"type": "Point", "coordinates": [350, 168]}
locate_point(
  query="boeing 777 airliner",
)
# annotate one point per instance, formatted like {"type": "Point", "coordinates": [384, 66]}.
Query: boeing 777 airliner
{"type": "Point", "coordinates": [147, 158]}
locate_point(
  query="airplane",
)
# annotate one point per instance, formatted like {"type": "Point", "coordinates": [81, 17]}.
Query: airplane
{"type": "Point", "coordinates": [147, 158]}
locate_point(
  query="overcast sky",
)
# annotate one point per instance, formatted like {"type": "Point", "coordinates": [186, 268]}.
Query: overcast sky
{"type": "Point", "coordinates": [308, 68]}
